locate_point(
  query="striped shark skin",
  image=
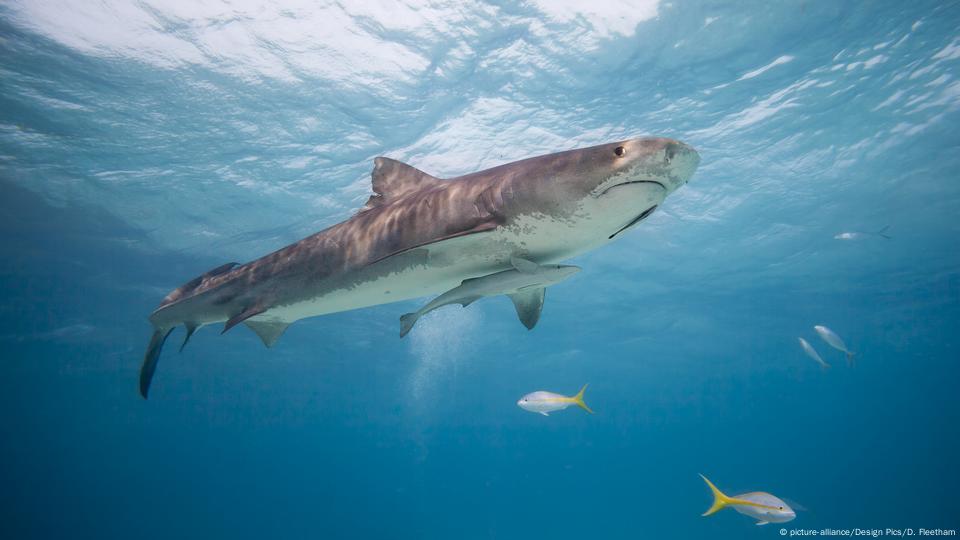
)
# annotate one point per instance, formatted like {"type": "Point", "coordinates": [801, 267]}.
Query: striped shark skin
{"type": "Point", "coordinates": [419, 235]}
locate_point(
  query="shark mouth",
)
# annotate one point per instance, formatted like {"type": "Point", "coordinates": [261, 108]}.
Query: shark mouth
{"type": "Point", "coordinates": [635, 220]}
{"type": "Point", "coordinates": [604, 188]}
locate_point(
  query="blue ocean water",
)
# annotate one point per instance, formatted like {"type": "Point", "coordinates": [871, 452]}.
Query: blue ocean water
{"type": "Point", "coordinates": [143, 143]}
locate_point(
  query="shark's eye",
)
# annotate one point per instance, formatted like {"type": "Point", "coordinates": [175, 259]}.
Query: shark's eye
{"type": "Point", "coordinates": [620, 151]}
{"type": "Point", "coordinates": [781, 508]}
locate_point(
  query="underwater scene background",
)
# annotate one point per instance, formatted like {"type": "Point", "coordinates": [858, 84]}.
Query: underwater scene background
{"type": "Point", "coordinates": [144, 143]}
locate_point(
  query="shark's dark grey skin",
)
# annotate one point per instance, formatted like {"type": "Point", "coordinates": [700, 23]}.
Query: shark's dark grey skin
{"type": "Point", "coordinates": [419, 235]}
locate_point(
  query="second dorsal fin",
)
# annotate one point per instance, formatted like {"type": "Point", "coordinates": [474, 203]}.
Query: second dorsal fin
{"type": "Point", "coordinates": [393, 179]}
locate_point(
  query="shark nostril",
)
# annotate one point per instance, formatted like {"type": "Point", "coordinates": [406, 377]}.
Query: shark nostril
{"type": "Point", "coordinates": [671, 151]}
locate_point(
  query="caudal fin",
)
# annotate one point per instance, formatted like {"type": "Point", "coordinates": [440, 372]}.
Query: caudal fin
{"type": "Point", "coordinates": [883, 233]}
{"type": "Point", "coordinates": [150, 359]}
{"type": "Point", "coordinates": [851, 360]}
{"type": "Point", "coordinates": [720, 501]}
{"type": "Point", "coordinates": [406, 323]}
{"type": "Point", "coordinates": [578, 399]}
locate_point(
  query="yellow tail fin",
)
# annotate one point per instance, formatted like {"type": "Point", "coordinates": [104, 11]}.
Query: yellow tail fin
{"type": "Point", "coordinates": [720, 501]}
{"type": "Point", "coordinates": [578, 399]}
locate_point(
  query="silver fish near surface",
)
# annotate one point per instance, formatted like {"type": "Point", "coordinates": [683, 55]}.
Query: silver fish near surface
{"type": "Point", "coordinates": [812, 353]}
{"type": "Point", "coordinates": [760, 505]}
{"type": "Point", "coordinates": [860, 235]}
{"type": "Point", "coordinates": [419, 235]}
{"type": "Point", "coordinates": [832, 339]}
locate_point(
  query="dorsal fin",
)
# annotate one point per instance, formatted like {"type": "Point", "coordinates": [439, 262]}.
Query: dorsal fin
{"type": "Point", "coordinates": [393, 179]}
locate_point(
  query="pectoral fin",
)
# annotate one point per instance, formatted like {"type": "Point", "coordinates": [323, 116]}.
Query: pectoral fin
{"type": "Point", "coordinates": [529, 304]}
{"type": "Point", "coordinates": [523, 265]}
{"type": "Point", "coordinates": [467, 300]}
{"type": "Point", "coordinates": [269, 332]}
{"type": "Point", "coordinates": [407, 321]}
{"type": "Point", "coordinates": [763, 523]}
{"type": "Point", "coordinates": [544, 413]}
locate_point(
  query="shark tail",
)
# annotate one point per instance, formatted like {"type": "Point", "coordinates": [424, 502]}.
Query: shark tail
{"type": "Point", "coordinates": [720, 500]}
{"type": "Point", "coordinates": [406, 322]}
{"type": "Point", "coordinates": [883, 233]}
{"type": "Point", "coordinates": [151, 357]}
{"type": "Point", "coordinates": [578, 399]}
{"type": "Point", "coordinates": [851, 359]}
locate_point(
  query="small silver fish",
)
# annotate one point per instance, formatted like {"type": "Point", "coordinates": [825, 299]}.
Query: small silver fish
{"type": "Point", "coordinates": [547, 402]}
{"type": "Point", "coordinates": [759, 505]}
{"type": "Point", "coordinates": [859, 235]}
{"type": "Point", "coordinates": [812, 353]}
{"type": "Point", "coordinates": [834, 341]}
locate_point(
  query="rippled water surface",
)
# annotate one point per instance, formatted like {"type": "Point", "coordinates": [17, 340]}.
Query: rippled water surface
{"type": "Point", "coordinates": [143, 143]}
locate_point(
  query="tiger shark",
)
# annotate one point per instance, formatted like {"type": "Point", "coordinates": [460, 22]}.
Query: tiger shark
{"type": "Point", "coordinates": [419, 235]}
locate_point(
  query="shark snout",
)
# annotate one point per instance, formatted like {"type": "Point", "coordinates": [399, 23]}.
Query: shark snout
{"type": "Point", "coordinates": [668, 162]}
{"type": "Point", "coordinates": [681, 161]}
